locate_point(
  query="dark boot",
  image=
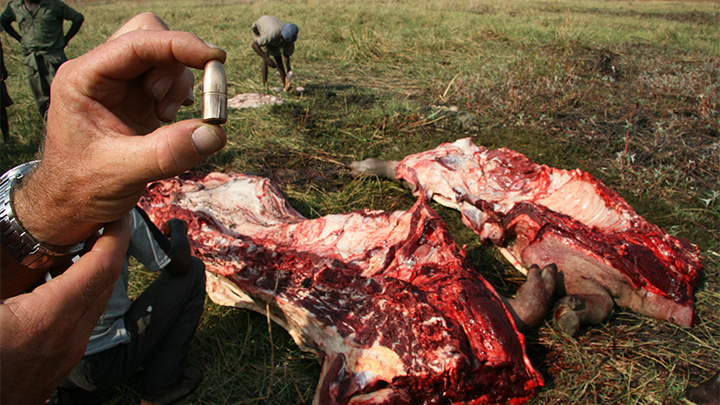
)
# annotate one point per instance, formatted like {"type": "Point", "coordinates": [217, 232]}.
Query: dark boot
{"type": "Point", "coordinates": [189, 383]}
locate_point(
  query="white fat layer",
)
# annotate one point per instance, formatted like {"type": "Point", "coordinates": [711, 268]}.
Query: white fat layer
{"type": "Point", "coordinates": [241, 205]}
{"type": "Point", "coordinates": [579, 200]}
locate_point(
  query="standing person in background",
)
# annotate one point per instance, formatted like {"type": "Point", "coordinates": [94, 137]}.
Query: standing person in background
{"type": "Point", "coordinates": [42, 39]}
{"type": "Point", "coordinates": [5, 100]}
{"type": "Point", "coordinates": [276, 39]}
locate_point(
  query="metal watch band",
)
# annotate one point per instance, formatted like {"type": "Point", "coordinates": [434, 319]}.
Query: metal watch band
{"type": "Point", "coordinates": [27, 250]}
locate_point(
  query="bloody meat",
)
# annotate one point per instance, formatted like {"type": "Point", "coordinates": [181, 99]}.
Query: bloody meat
{"type": "Point", "coordinates": [605, 252]}
{"type": "Point", "coordinates": [386, 299]}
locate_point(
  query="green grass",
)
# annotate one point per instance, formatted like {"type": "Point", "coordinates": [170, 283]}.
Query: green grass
{"type": "Point", "coordinates": [626, 90]}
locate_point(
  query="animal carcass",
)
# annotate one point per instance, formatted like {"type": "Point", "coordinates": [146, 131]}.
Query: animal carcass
{"type": "Point", "coordinates": [606, 253]}
{"type": "Point", "coordinates": [385, 298]}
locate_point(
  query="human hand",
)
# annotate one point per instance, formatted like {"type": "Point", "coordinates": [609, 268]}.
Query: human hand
{"type": "Point", "coordinates": [270, 63]}
{"type": "Point", "coordinates": [175, 225]}
{"type": "Point", "coordinates": [104, 141]}
{"type": "Point", "coordinates": [288, 77]}
{"type": "Point", "coordinates": [176, 230]}
{"type": "Point", "coordinates": [43, 334]}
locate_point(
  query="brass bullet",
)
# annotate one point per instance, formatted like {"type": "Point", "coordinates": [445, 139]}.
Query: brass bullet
{"type": "Point", "coordinates": [214, 93]}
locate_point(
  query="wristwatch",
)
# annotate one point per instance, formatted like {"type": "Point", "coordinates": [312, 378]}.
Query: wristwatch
{"type": "Point", "coordinates": [17, 240]}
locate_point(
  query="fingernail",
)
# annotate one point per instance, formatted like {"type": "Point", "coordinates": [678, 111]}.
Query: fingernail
{"type": "Point", "coordinates": [206, 141]}
{"type": "Point", "coordinates": [161, 87]}
{"type": "Point", "coordinates": [219, 56]}
{"type": "Point", "coordinates": [190, 99]}
{"type": "Point", "coordinates": [213, 46]}
{"type": "Point", "coordinates": [171, 111]}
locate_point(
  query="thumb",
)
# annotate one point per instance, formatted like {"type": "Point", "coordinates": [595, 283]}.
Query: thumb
{"type": "Point", "coordinates": [172, 149]}
{"type": "Point", "coordinates": [84, 283]}
{"type": "Point", "coordinates": [73, 301]}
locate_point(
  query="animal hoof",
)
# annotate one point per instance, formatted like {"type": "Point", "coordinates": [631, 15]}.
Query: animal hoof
{"type": "Point", "coordinates": [548, 275]}
{"type": "Point", "coordinates": [567, 317]}
{"type": "Point", "coordinates": [707, 393]}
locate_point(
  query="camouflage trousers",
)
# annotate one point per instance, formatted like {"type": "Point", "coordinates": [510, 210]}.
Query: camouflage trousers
{"type": "Point", "coordinates": [40, 68]}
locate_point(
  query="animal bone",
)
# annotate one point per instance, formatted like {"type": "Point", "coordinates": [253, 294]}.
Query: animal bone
{"type": "Point", "coordinates": [386, 299]}
{"type": "Point", "coordinates": [606, 253]}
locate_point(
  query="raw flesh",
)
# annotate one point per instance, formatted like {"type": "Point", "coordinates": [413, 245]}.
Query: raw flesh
{"type": "Point", "coordinates": [386, 299]}
{"type": "Point", "coordinates": [605, 252]}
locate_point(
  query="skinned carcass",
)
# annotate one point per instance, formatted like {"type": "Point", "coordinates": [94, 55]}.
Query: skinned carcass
{"type": "Point", "coordinates": [386, 299]}
{"type": "Point", "coordinates": [606, 253]}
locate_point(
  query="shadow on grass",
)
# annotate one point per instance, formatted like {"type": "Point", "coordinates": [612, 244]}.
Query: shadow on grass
{"type": "Point", "coordinates": [17, 151]}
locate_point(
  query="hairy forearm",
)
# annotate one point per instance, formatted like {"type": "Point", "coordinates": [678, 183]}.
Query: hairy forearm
{"type": "Point", "coordinates": [43, 334]}
{"type": "Point", "coordinates": [48, 220]}
{"type": "Point", "coordinates": [47, 206]}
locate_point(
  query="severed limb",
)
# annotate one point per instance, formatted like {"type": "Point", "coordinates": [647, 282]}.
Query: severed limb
{"type": "Point", "coordinates": [707, 393]}
{"type": "Point", "coordinates": [573, 311]}
{"type": "Point", "coordinates": [384, 169]}
{"type": "Point", "coordinates": [532, 301]}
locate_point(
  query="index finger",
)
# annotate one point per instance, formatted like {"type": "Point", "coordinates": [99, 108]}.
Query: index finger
{"type": "Point", "coordinates": [76, 291]}
{"type": "Point", "coordinates": [143, 21]}
{"type": "Point", "coordinates": [135, 52]}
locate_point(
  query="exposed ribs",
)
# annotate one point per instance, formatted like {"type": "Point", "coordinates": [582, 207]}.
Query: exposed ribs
{"type": "Point", "coordinates": [385, 298]}
{"type": "Point", "coordinates": [546, 215]}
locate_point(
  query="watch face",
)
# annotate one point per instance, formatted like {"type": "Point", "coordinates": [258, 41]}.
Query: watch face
{"type": "Point", "coordinates": [16, 240]}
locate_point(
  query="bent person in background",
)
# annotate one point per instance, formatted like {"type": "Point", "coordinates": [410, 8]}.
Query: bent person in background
{"type": "Point", "coordinates": [277, 39]}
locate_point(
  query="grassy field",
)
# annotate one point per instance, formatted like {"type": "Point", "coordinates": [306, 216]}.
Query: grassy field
{"type": "Point", "coordinates": [627, 90]}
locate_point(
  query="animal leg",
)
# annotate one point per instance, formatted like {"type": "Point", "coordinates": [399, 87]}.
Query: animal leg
{"type": "Point", "coordinates": [384, 169]}
{"type": "Point", "coordinates": [374, 167]}
{"type": "Point", "coordinates": [707, 393]}
{"type": "Point", "coordinates": [532, 301]}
